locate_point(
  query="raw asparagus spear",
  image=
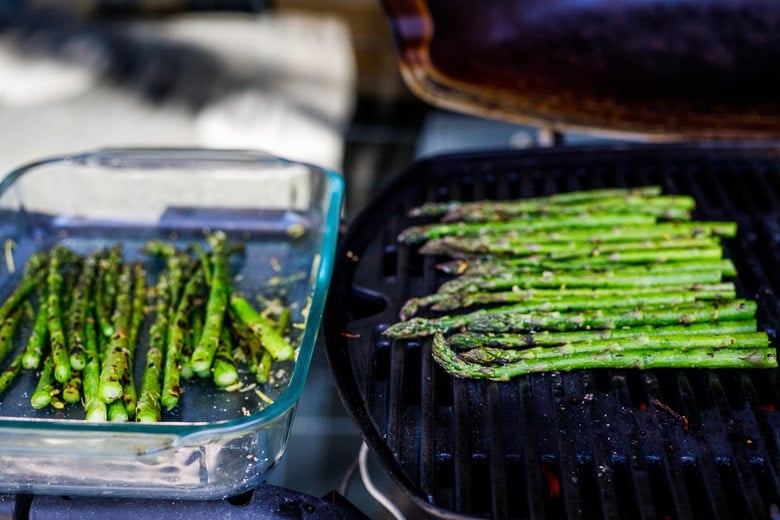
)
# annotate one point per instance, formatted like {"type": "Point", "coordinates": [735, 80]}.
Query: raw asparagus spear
{"type": "Point", "coordinates": [498, 244]}
{"type": "Point", "coordinates": [676, 207]}
{"type": "Point", "coordinates": [451, 301]}
{"type": "Point", "coordinates": [697, 312]}
{"type": "Point", "coordinates": [470, 340]}
{"type": "Point", "coordinates": [247, 341]}
{"type": "Point", "coordinates": [426, 232]}
{"type": "Point", "coordinates": [532, 204]}
{"type": "Point", "coordinates": [647, 341]}
{"type": "Point", "coordinates": [508, 266]}
{"type": "Point", "coordinates": [569, 302]}
{"type": "Point", "coordinates": [203, 355]}
{"type": "Point", "coordinates": [640, 359]}
{"type": "Point", "coordinates": [504, 319]}
{"type": "Point", "coordinates": [559, 251]}
{"type": "Point", "coordinates": [594, 280]}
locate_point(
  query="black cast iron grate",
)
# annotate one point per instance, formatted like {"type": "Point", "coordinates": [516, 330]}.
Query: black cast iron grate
{"type": "Point", "coordinates": [584, 444]}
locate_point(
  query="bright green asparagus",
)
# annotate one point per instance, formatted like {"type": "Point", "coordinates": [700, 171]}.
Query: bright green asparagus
{"type": "Point", "coordinates": [216, 306]}
{"type": "Point", "coordinates": [279, 348]}
{"type": "Point", "coordinates": [607, 358]}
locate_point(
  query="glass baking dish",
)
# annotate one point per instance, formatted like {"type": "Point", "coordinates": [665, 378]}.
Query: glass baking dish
{"type": "Point", "coordinates": [215, 443]}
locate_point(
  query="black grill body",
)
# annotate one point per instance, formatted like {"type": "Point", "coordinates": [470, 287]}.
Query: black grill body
{"type": "Point", "coordinates": [583, 444]}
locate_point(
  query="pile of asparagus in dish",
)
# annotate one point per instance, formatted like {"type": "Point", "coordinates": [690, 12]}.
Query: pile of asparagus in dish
{"type": "Point", "coordinates": [611, 278]}
{"type": "Point", "coordinates": [88, 311]}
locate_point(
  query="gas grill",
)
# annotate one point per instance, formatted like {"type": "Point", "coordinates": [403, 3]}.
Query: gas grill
{"type": "Point", "coordinates": [583, 444]}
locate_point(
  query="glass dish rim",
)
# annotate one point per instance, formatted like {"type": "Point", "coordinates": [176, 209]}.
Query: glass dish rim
{"type": "Point", "coordinates": [333, 197]}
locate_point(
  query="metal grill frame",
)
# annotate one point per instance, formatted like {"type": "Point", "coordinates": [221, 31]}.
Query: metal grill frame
{"type": "Point", "coordinates": [583, 444]}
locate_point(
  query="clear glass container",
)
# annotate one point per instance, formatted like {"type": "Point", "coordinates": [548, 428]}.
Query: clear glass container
{"type": "Point", "coordinates": [215, 443]}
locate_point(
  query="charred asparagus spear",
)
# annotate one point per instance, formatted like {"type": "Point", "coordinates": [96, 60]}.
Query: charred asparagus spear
{"type": "Point", "coordinates": [58, 344]}
{"type": "Point", "coordinates": [171, 376]}
{"type": "Point", "coordinates": [7, 331]}
{"type": "Point", "coordinates": [45, 388]}
{"type": "Point", "coordinates": [216, 306]}
{"type": "Point", "coordinates": [71, 391]}
{"type": "Point", "coordinates": [279, 348]}
{"type": "Point", "coordinates": [225, 372]}
{"type": "Point", "coordinates": [94, 407]}
{"type": "Point", "coordinates": [8, 375]}
{"type": "Point", "coordinates": [78, 312]}
{"type": "Point", "coordinates": [115, 365]}
{"type": "Point", "coordinates": [137, 313]}
{"type": "Point", "coordinates": [149, 408]}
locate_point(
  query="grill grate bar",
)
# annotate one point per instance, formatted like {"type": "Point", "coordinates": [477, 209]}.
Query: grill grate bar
{"type": "Point", "coordinates": [536, 447]}
{"type": "Point", "coordinates": [634, 464]}
{"type": "Point", "coordinates": [566, 469]}
{"type": "Point", "coordinates": [427, 460]}
{"type": "Point", "coordinates": [462, 455]}
{"type": "Point", "coordinates": [497, 469]}
{"type": "Point", "coordinates": [530, 455]}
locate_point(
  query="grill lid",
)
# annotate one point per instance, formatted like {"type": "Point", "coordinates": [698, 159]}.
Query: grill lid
{"type": "Point", "coordinates": [650, 68]}
{"type": "Point", "coordinates": [589, 443]}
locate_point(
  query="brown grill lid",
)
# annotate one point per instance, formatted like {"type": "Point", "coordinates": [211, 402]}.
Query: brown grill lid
{"type": "Point", "coordinates": [657, 69]}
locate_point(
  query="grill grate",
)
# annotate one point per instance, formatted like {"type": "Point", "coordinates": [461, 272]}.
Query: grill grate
{"type": "Point", "coordinates": [584, 444]}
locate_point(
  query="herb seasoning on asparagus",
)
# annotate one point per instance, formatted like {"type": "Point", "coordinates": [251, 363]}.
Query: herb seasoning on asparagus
{"type": "Point", "coordinates": [87, 320]}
